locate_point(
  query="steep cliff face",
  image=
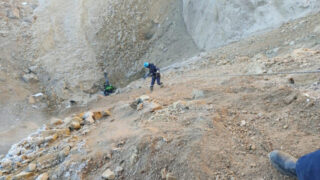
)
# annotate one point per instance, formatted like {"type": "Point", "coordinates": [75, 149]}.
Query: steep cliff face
{"type": "Point", "coordinates": [215, 23]}
{"type": "Point", "coordinates": [76, 41]}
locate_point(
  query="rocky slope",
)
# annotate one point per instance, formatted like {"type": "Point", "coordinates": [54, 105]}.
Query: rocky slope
{"type": "Point", "coordinates": [213, 120]}
{"type": "Point", "coordinates": [216, 23]}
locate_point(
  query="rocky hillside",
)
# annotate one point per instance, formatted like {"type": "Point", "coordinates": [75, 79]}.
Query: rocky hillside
{"type": "Point", "coordinates": [216, 23]}
{"type": "Point", "coordinates": [214, 119]}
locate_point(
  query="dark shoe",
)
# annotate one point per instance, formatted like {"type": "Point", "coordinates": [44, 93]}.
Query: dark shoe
{"type": "Point", "coordinates": [284, 162]}
{"type": "Point", "coordinates": [151, 88]}
{"type": "Point", "coordinates": [161, 85]}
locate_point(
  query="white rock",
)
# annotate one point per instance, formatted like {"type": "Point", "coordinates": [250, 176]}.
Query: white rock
{"type": "Point", "coordinates": [31, 167]}
{"type": "Point", "coordinates": [43, 176]}
{"type": "Point", "coordinates": [144, 98]}
{"type": "Point", "coordinates": [30, 78]}
{"type": "Point", "coordinates": [197, 94]}
{"type": "Point", "coordinates": [108, 174]}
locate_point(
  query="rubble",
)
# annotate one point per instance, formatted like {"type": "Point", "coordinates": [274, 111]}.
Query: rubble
{"type": "Point", "coordinates": [108, 174]}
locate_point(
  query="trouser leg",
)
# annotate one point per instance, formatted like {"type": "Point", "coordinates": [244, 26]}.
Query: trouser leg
{"type": "Point", "coordinates": [153, 81]}
{"type": "Point", "coordinates": [158, 80]}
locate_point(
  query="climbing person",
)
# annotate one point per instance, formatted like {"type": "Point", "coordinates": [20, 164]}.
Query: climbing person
{"type": "Point", "coordinates": [108, 88]}
{"type": "Point", "coordinates": [154, 72]}
{"type": "Point", "coordinates": [306, 167]}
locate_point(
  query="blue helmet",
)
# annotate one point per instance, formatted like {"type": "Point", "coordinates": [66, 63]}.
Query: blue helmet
{"type": "Point", "coordinates": [146, 64]}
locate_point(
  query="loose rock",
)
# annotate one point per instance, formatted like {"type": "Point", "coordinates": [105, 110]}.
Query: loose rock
{"type": "Point", "coordinates": [23, 175]}
{"type": "Point", "coordinates": [30, 78]}
{"type": "Point", "coordinates": [55, 122]}
{"type": "Point", "coordinates": [108, 174]}
{"type": "Point", "coordinates": [31, 167]}
{"type": "Point", "coordinates": [43, 176]}
{"type": "Point", "coordinates": [197, 94]}
{"type": "Point", "coordinates": [75, 125]}
{"type": "Point", "coordinates": [170, 176]}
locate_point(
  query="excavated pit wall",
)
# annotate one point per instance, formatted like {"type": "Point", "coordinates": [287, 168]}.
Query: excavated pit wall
{"type": "Point", "coordinates": [75, 41]}
{"type": "Point", "coordinates": [214, 23]}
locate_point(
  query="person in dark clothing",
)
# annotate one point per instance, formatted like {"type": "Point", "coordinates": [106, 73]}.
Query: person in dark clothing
{"type": "Point", "coordinates": [108, 88]}
{"type": "Point", "coordinates": [306, 167]}
{"type": "Point", "coordinates": [154, 72]}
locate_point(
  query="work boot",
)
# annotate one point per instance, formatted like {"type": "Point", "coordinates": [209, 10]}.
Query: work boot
{"type": "Point", "coordinates": [151, 88]}
{"type": "Point", "coordinates": [161, 85]}
{"type": "Point", "coordinates": [284, 162]}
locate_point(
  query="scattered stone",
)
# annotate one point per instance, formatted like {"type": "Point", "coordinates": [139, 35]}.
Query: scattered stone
{"type": "Point", "coordinates": [133, 158]}
{"type": "Point", "coordinates": [163, 173]}
{"type": "Point", "coordinates": [64, 153]}
{"type": "Point", "coordinates": [88, 117]}
{"type": "Point", "coordinates": [285, 127]}
{"type": "Point", "coordinates": [151, 106]}
{"type": "Point", "coordinates": [108, 174]}
{"type": "Point", "coordinates": [106, 113]}
{"type": "Point", "coordinates": [31, 100]}
{"type": "Point", "coordinates": [23, 175]}
{"type": "Point", "coordinates": [75, 125]}
{"type": "Point", "coordinates": [170, 176]}
{"type": "Point", "coordinates": [6, 165]}
{"type": "Point", "coordinates": [97, 115]}
{"type": "Point", "coordinates": [291, 80]}
{"type": "Point", "coordinates": [55, 122]}
{"type": "Point", "coordinates": [144, 98]}
{"type": "Point", "coordinates": [317, 29]}
{"type": "Point", "coordinates": [43, 176]}
{"type": "Point", "coordinates": [197, 94]}
{"type": "Point", "coordinates": [140, 107]}
{"type": "Point", "coordinates": [118, 170]}
{"type": "Point", "coordinates": [30, 78]}
{"type": "Point", "coordinates": [253, 165]}
{"type": "Point", "coordinates": [14, 13]}
{"type": "Point", "coordinates": [180, 105]}
{"type": "Point", "coordinates": [51, 138]}
{"type": "Point", "coordinates": [243, 123]}
{"type": "Point", "coordinates": [292, 43]}
{"type": "Point", "coordinates": [31, 167]}
{"type": "Point", "coordinates": [288, 100]}
{"type": "Point", "coordinates": [252, 147]}
{"type": "Point", "coordinates": [33, 69]}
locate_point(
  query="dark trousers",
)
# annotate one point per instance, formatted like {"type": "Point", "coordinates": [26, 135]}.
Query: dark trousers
{"type": "Point", "coordinates": [154, 78]}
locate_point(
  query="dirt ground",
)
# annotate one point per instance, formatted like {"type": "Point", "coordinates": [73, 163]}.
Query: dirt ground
{"type": "Point", "coordinates": [220, 115]}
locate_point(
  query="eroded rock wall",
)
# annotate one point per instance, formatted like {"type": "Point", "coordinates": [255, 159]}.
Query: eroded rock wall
{"type": "Point", "coordinates": [76, 41]}
{"type": "Point", "coordinates": [218, 22]}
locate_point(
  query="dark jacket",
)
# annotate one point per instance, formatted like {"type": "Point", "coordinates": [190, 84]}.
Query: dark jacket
{"type": "Point", "coordinates": [152, 70]}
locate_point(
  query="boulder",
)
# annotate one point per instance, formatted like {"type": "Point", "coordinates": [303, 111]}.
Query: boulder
{"type": "Point", "coordinates": [88, 118]}
{"type": "Point", "coordinates": [97, 115]}
{"type": "Point", "coordinates": [30, 78]}
{"type": "Point", "coordinates": [197, 94]}
{"type": "Point", "coordinates": [144, 98]}
{"type": "Point", "coordinates": [55, 122]}
{"type": "Point", "coordinates": [6, 165]}
{"type": "Point", "coordinates": [118, 170]}
{"type": "Point", "coordinates": [23, 176]}
{"type": "Point", "coordinates": [108, 174]}
{"type": "Point", "coordinates": [151, 107]}
{"type": "Point", "coordinates": [31, 167]}
{"type": "Point", "coordinates": [75, 125]}
{"type": "Point", "coordinates": [170, 176]}
{"type": "Point", "coordinates": [179, 105]}
{"type": "Point", "coordinates": [43, 176]}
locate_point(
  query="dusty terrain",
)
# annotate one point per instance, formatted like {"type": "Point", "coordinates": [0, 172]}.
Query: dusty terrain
{"type": "Point", "coordinates": [218, 117]}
